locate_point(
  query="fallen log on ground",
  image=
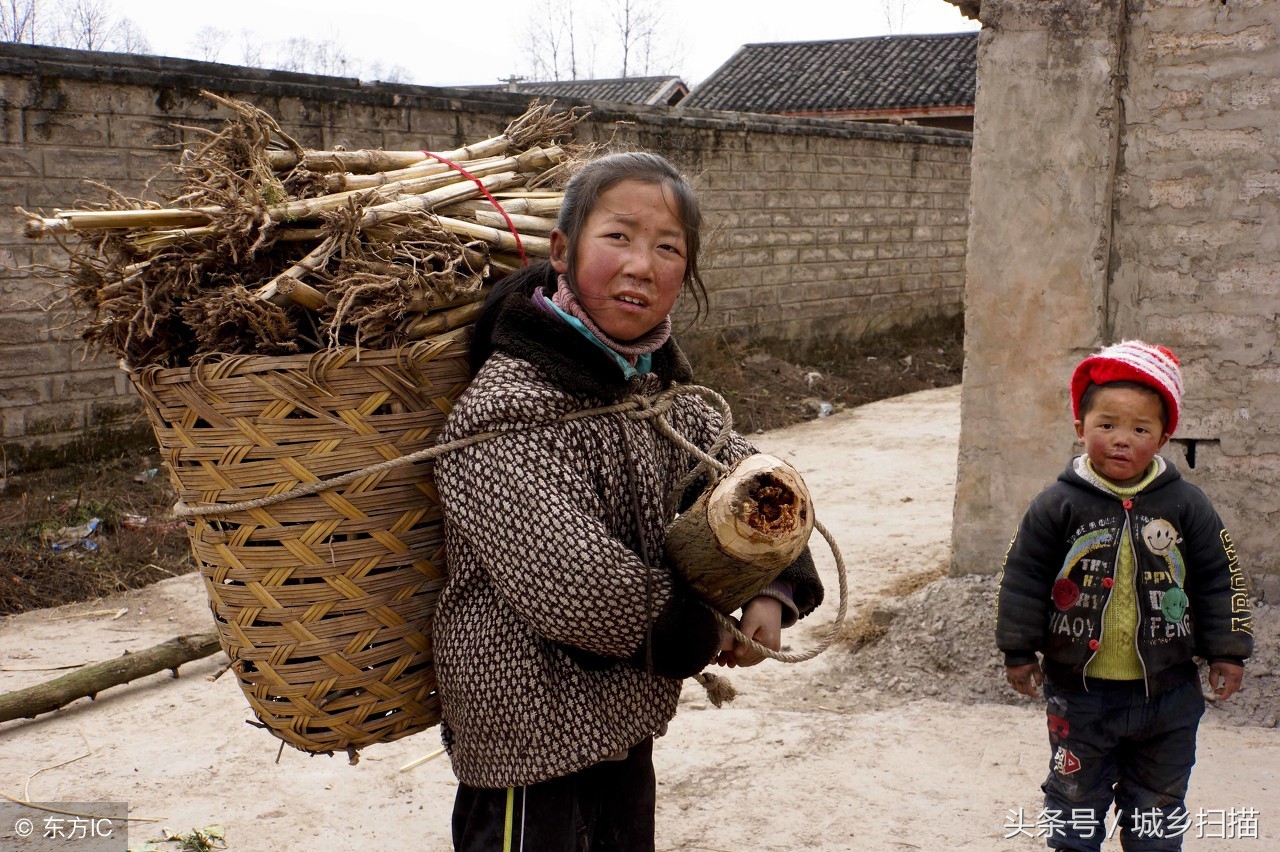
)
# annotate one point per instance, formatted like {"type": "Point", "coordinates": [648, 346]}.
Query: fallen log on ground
{"type": "Point", "coordinates": [92, 679]}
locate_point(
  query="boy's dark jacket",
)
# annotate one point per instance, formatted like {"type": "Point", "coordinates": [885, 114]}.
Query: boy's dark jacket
{"type": "Point", "coordinates": [1058, 574]}
{"type": "Point", "coordinates": [555, 645]}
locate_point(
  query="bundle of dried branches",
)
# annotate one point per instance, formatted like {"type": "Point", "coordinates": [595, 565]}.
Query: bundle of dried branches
{"type": "Point", "coordinates": [231, 320]}
{"type": "Point", "coordinates": [380, 279]}
{"type": "Point", "coordinates": [269, 248]}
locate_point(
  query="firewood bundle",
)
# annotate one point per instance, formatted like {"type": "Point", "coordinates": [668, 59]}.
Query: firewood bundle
{"type": "Point", "coordinates": [270, 249]}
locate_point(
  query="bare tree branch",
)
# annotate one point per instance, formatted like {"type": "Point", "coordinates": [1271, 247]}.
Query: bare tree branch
{"type": "Point", "coordinates": [895, 14]}
{"type": "Point", "coordinates": [250, 49]}
{"type": "Point", "coordinates": [550, 40]}
{"type": "Point", "coordinates": [639, 25]}
{"type": "Point", "coordinates": [87, 25]}
{"type": "Point", "coordinates": [555, 51]}
{"type": "Point", "coordinates": [89, 681]}
{"type": "Point", "coordinates": [130, 39]}
{"type": "Point", "coordinates": [94, 25]}
{"type": "Point", "coordinates": [208, 43]}
{"type": "Point", "coordinates": [383, 73]}
{"type": "Point", "coordinates": [18, 21]}
{"type": "Point", "coordinates": [622, 18]}
{"type": "Point", "coordinates": [573, 41]}
{"type": "Point", "coordinates": [314, 57]}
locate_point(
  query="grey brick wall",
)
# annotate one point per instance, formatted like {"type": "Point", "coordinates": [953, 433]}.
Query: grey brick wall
{"type": "Point", "coordinates": [1126, 184]}
{"type": "Point", "coordinates": [817, 231]}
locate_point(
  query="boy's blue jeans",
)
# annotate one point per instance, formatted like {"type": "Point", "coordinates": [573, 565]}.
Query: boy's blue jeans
{"type": "Point", "coordinates": [1112, 743]}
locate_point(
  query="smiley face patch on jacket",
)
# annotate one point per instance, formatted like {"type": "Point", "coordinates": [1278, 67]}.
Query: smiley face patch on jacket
{"type": "Point", "coordinates": [1160, 537]}
{"type": "Point", "coordinates": [1173, 604]}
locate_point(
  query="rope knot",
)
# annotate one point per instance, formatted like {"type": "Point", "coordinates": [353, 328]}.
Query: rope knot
{"type": "Point", "coordinates": [643, 407]}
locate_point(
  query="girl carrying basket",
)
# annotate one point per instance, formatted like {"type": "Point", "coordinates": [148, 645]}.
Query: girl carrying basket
{"type": "Point", "coordinates": [561, 639]}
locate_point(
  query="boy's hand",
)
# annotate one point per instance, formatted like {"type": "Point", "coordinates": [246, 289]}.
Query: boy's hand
{"type": "Point", "coordinates": [1224, 679]}
{"type": "Point", "coordinates": [761, 622]}
{"type": "Point", "coordinates": [1025, 679]}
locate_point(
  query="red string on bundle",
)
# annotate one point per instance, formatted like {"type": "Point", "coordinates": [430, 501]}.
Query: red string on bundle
{"type": "Point", "coordinates": [524, 261]}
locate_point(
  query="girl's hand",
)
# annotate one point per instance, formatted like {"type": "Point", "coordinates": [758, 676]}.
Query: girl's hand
{"type": "Point", "coordinates": [1224, 679]}
{"type": "Point", "coordinates": [1025, 679]}
{"type": "Point", "coordinates": [724, 657]}
{"type": "Point", "coordinates": [762, 623]}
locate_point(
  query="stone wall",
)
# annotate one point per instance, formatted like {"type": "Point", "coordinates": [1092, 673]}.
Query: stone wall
{"type": "Point", "coordinates": [818, 230]}
{"type": "Point", "coordinates": [1126, 184]}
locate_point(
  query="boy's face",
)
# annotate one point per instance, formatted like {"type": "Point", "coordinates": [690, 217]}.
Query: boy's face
{"type": "Point", "coordinates": [1122, 431]}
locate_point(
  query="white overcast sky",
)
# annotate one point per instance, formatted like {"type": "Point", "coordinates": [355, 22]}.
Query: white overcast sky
{"type": "Point", "coordinates": [483, 41]}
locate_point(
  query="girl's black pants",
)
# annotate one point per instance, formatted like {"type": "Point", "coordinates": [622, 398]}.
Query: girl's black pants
{"type": "Point", "coordinates": [607, 807]}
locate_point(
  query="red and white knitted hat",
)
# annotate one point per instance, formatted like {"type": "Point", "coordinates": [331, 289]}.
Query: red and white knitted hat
{"type": "Point", "coordinates": [1133, 361]}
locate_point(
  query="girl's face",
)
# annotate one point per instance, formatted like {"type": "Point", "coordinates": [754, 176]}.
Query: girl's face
{"type": "Point", "coordinates": [1121, 432]}
{"type": "Point", "coordinates": [630, 259]}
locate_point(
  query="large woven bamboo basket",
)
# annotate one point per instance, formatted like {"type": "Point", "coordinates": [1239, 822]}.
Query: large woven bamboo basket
{"type": "Point", "coordinates": [323, 602]}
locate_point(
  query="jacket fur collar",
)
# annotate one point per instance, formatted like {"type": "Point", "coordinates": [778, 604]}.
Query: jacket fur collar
{"type": "Point", "coordinates": [523, 330]}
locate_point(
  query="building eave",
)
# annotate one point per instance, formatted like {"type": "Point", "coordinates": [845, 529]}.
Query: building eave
{"type": "Point", "coordinates": [889, 112]}
{"type": "Point", "coordinates": [971, 9]}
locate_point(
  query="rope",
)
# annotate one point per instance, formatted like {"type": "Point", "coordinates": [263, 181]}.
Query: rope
{"type": "Point", "coordinates": [634, 407]}
{"type": "Point", "coordinates": [637, 408]}
{"type": "Point", "coordinates": [524, 261]}
{"type": "Point", "coordinates": [183, 510]}
{"type": "Point", "coordinates": [832, 633]}
{"type": "Point", "coordinates": [642, 541]}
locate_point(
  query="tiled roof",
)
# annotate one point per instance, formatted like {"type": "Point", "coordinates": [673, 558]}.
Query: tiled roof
{"type": "Point", "coordinates": [884, 72]}
{"type": "Point", "coordinates": [627, 90]}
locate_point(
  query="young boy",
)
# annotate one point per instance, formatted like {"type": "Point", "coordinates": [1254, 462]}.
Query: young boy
{"type": "Point", "coordinates": [1119, 574]}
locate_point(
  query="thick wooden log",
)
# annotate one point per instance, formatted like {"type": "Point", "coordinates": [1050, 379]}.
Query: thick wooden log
{"type": "Point", "coordinates": [92, 679]}
{"type": "Point", "coordinates": [740, 533]}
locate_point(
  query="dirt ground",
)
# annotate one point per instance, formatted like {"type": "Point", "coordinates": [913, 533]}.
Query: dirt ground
{"type": "Point", "coordinates": [767, 391]}
{"type": "Point", "coordinates": [906, 740]}
{"type": "Point", "coordinates": [77, 532]}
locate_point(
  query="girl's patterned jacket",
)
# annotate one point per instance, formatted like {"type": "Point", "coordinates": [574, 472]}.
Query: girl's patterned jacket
{"type": "Point", "coordinates": [1057, 578]}
{"type": "Point", "coordinates": [555, 646]}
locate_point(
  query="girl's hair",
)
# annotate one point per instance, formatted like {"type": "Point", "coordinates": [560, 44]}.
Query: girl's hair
{"type": "Point", "coordinates": [597, 176]}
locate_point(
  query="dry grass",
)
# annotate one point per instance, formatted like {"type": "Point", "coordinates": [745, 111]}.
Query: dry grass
{"type": "Point", "coordinates": [871, 623]}
{"type": "Point", "coordinates": [862, 629]}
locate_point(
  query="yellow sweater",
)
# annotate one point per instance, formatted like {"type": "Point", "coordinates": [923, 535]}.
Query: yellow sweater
{"type": "Point", "coordinates": [1117, 656]}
